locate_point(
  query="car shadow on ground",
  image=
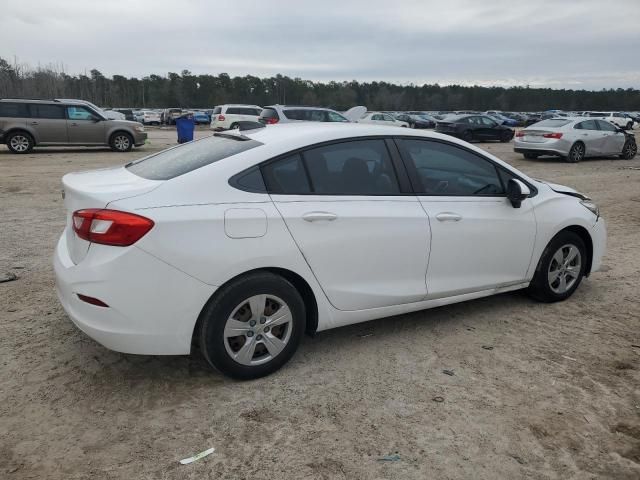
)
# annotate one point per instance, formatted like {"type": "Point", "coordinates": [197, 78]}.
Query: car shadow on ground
{"type": "Point", "coordinates": [111, 372]}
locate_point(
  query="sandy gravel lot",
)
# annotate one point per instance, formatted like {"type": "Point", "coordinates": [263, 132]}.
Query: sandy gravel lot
{"type": "Point", "coordinates": [538, 391]}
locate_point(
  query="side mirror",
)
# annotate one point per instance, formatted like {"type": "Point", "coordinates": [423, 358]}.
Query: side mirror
{"type": "Point", "coordinates": [517, 192]}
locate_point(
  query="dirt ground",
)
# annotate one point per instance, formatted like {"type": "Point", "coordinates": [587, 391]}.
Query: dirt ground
{"type": "Point", "coordinates": [537, 391]}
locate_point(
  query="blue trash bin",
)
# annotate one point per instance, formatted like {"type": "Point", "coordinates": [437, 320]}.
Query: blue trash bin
{"type": "Point", "coordinates": [185, 126]}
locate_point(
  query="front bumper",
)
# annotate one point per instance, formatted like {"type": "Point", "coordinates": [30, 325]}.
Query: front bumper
{"type": "Point", "coordinates": [599, 240]}
{"type": "Point", "coordinates": [139, 138]}
{"type": "Point", "coordinates": [153, 307]}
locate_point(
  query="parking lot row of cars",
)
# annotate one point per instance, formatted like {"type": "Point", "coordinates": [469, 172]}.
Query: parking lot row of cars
{"type": "Point", "coordinates": [571, 135]}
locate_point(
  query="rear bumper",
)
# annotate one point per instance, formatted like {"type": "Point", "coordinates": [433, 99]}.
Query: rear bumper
{"type": "Point", "coordinates": [554, 147]}
{"type": "Point", "coordinates": [153, 307]}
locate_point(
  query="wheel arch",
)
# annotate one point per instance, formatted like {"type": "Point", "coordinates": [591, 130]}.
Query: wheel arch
{"type": "Point", "coordinates": [299, 283]}
{"type": "Point", "coordinates": [583, 233]}
{"type": "Point", "coordinates": [117, 130]}
{"type": "Point", "coordinates": [26, 130]}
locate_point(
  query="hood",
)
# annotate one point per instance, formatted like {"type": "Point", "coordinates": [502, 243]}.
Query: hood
{"type": "Point", "coordinates": [126, 123]}
{"type": "Point", "coordinates": [564, 189]}
{"type": "Point", "coordinates": [354, 114]}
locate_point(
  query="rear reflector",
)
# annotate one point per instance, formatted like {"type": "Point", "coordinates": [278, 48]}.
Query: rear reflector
{"type": "Point", "coordinates": [552, 135]}
{"type": "Point", "coordinates": [92, 301]}
{"type": "Point", "coordinates": [110, 227]}
{"type": "Point", "coordinates": [271, 120]}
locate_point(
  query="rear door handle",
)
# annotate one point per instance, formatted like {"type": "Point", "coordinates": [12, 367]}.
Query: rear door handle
{"type": "Point", "coordinates": [34, 123]}
{"type": "Point", "coordinates": [318, 216]}
{"type": "Point", "coordinates": [449, 217]}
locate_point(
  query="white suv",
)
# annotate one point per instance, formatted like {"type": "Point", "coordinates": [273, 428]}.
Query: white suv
{"type": "Point", "coordinates": [225, 117]}
{"type": "Point", "coordinates": [287, 114]}
{"type": "Point", "coordinates": [617, 118]}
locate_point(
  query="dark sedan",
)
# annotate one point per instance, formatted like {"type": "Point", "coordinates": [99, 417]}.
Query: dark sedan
{"type": "Point", "coordinates": [474, 127]}
{"type": "Point", "coordinates": [416, 121]}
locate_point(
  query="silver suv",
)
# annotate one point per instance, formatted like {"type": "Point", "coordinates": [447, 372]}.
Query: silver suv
{"type": "Point", "coordinates": [25, 124]}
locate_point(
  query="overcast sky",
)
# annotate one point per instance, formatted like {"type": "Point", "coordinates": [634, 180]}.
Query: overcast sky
{"type": "Point", "coordinates": [584, 44]}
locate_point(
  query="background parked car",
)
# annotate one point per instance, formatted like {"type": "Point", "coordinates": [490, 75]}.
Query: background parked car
{"type": "Point", "coordinates": [201, 118]}
{"type": "Point", "coordinates": [474, 127]}
{"type": "Point", "coordinates": [286, 114]}
{"type": "Point", "coordinates": [169, 115]}
{"type": "Point", "coordinates": [575, 139]}
{"type": "Point", "coordinates": [416, 121]}
{"type": "Point", "coordinates": [226, 117]}
{"type": "Point", "coordinates": [617, 118]}
{"type": "Point", "coordinates": [25, 124]}
{"type": "Point", "coordinates": [150, 117]}
{"type": "Point", "coordinates": [379, 118]}
{"type": "Point", "coordinates": [127, 112]}
{"type": "Point", "coordinates": [502, 120]}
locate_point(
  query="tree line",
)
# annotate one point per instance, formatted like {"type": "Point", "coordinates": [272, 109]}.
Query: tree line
{"type": "Point", "coordinates": [187, 90]}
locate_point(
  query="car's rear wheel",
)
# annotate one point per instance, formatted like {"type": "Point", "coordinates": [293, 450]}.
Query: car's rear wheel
{"type": "Point", "coordinates": [560, 269]}
{"type": "Point", "coordinates": [530, 156]}
{"type": "Point", "coordinates": [576, 153]}
{"type": "Point", "coordinates": [630, 149]}
{"type": "Point", "coordinates": [467, 135]}
{"type": "Point", "coordinates": [121, 142]}
{"type": "Point", "coordinates": [253, 326]}
{"type": "Point", "coordinates": [505, 137]}
{"type": "Point", "coordinates": [20, 142]}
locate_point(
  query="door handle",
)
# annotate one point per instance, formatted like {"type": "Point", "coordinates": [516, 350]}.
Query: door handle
{"type": "Point", "coordinates": [34, 123]}
{"type": "Point", "coordinates": [449, 217]}
{"type": "Point", "coordinates": [317, 216]}
{"type": "Point", "coordinates": [74, 124]}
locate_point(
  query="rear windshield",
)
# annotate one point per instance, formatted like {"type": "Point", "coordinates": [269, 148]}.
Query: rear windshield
{"type": "Point", "coordinates": [269, 113]}
{"type": "Point", "coordinates": [553, 122]}
{"type": "Point", "coordinates": [216, 111]}
{"type": "Point", "coordinates": [185, 158]}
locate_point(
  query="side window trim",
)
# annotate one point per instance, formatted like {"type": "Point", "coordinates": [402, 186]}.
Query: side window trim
{"type": "Point", "coordinates": [413, 173]}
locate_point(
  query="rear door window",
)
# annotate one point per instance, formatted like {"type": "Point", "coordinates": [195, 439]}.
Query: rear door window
{"type": "Point", "coordinates": [47, 111]}
{"type": "Point", "coordinates": [361, 167]}
{"type": "Point", "coordinates": [587, 125]}
{"type": "Point", "coordinates": [286, 176]}
{"type": "Point", "coordinates": [14, 110]}
{"type": "Point", "coordinates": [190, 156]}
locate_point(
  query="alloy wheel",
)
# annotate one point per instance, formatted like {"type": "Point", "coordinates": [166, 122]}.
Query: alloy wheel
{"type": "Point", "coordinates": [564, 269]}
{"type": "Point", "coordinates": [577, 152]}
{"type": "Point", "coordinates": [121, 142]}
{"type": "Point", "coordinates": [19, 143]}
{"type": "Point", "coordinates": [258, 329]}
{"type": "Point", "coordinates": [630, 150]}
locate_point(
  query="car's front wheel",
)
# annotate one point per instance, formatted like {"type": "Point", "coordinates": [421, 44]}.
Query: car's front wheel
{"type": "Point", "coordinates": [121, 142]}
{"type": "Point", "coordinates": [560, 269]}
{"type": "Point", "coordinates": [629, 150]}
{"type": "Point", "coordinates": [252, 326]}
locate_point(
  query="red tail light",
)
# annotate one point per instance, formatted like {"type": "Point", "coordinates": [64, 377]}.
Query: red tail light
{"type": "Point", "coordinates": [520, 134]}
{"type": "Point", "coordinates": [221, 118]}
{"type": "Point", "coordinates": [552, 135]}
{"type": "Point", "coordinates": [110, 227]}
{"type": "Point", "coordinates": [271, 120]}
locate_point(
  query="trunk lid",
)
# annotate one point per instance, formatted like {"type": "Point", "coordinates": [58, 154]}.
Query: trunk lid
{"type": "Point", "coordinates": [535, 136]}
{"type": "Point", "coordinates": [96, 189]}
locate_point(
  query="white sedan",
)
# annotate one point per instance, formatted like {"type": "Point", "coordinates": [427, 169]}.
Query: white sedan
{"type": "Point", "coordinates": [379, 118]}
{"type": "Point", "coordinates": [242, 241]}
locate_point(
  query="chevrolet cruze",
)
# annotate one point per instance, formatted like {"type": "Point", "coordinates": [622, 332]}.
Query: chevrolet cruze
{"type": "Point", "coordinates": [242, 241]}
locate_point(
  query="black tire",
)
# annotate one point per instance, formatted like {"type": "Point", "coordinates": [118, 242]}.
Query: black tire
{"type": "Point", "coordinates": [506, 137]}
{"type": "Point", "coordinates": [629, 125]}
{"type": "Point", "coordinates": [20, 142]}
{"type": "Point", "coordinates": [121, 142]}
{"type": "Point", "coordinates": [629, 150]}
{"type": "Point", "coordinates": [576, 153]}
{"type": "Point", "coordinates": [467, 135]}
{"type": "Point", "coordinates": [541, 288]}
{"type": "Point", "coordinates": [218, 310]}
{"type": "Point", "coordinates": [530, 156]}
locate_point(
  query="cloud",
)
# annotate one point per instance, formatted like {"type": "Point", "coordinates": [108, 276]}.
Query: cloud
{"type": "Point", "coordinates": [576, 44]}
